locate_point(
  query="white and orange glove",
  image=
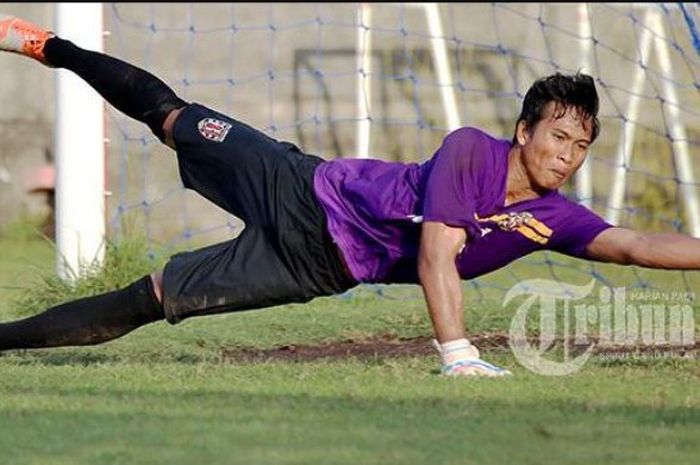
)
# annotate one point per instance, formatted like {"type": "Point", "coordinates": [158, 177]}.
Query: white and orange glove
{"type": "Point", "coordinates": [461, 358]}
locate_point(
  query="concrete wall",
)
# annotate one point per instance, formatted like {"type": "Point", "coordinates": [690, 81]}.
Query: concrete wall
{"type": "Point", "coordinates": [289, 70]}
{"type": "Point", "coordinates": [26, 123]}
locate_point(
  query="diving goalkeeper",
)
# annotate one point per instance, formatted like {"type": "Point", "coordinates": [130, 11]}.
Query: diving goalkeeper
{"type": "Point", "coordinates": [317, 228]}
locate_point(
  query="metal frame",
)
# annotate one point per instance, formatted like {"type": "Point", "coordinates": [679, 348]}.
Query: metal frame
{"type": "Point", "coordinates": [80, 166]}
{"type": "Point", "coordinates": [654, 34]}
{"type": "Point", "coordinates": [364, 72]}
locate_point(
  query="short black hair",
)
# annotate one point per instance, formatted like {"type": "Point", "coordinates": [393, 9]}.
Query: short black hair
{"type": "Point", "coordinates": [574, 90]}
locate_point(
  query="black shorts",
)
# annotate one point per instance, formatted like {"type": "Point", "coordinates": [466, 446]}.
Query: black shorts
{"type": "Point", "coordinates": [284, 254]}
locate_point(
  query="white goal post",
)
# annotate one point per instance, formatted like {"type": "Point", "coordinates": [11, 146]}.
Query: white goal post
{"type": "Point", "coordinates": [364, 71]}
{"type": "Point", "coordinates": [80, 151]}
{"type": "Point", "coordinates": [653, 35]}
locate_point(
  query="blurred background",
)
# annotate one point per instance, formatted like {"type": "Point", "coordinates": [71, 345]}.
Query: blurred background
{"type": "Point", "coordinates": [292, 71]}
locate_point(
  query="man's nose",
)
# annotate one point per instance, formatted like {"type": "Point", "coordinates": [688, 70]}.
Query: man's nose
{"type": "Point", "coordinates": [567, 155]}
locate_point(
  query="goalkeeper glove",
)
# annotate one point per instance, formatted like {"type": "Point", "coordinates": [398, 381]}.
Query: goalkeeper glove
{"type": "Point", "coordinates": [461, 358]}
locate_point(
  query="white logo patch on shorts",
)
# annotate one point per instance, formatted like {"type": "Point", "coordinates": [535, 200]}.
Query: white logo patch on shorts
{"type": "Point", "coordinates": [213, 129]}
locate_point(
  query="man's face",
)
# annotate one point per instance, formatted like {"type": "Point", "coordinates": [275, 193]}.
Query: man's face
{"type": "Point", "coordinates": [555, 148]}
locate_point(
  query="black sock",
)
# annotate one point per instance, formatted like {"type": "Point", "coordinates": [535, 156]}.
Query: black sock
{"type": "Point", "coordinates": [87, 321]}
{"type": "Point", "coordinates": [133, 91]}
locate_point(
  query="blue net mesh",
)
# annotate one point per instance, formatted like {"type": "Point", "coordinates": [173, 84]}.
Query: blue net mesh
{"type": "Point", "coordinates": [291, 70]}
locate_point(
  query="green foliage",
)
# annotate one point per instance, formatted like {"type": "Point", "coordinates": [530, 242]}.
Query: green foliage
{"type": "Point", "coordinates": [125, 261]}
{"type": "Point", "coordinates": [652, 187]}
{"type": "Point", "coordinates": [27, 229]}
{"type": "Point", "coordinates": [657, 199]}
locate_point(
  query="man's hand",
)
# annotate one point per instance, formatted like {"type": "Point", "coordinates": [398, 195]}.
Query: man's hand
{"type": "Point", "coordinates": [623, 246]}
{"type": "Point", "coordinates": [461, 358]}
{"type": "Point", "coordinates": [439, 246]}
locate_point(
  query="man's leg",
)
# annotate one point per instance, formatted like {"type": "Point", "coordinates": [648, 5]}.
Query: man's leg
{"type": "Point", "coordinates": [87, 321]}
{"type": "Point", "coordinates": [266, 183]}
{"type": "Point", "coordinates": [131, 90]}
{"type": "Point", "coordinates": [142, 96]}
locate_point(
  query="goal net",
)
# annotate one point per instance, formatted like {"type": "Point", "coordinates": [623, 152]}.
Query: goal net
{"type": "Point", "coordinates": [390, 80]}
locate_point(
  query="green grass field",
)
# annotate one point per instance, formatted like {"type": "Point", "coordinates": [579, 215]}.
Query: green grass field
{"type": "Point", "coordinates": [168, 394]}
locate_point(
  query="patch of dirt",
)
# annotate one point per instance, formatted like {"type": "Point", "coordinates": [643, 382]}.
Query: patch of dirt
{"type": "Point", "coordinates": [388, 346]}
{"type": "Point", "coordinates": [385, 346]}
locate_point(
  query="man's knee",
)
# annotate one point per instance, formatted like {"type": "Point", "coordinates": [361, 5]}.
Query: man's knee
{"type": "Point", "coordinates": [157, 280]}
{"type": "Point", "coordinates": [168, 126]}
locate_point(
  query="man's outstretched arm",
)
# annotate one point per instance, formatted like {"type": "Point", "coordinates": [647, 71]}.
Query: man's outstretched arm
{"type": "Point", "coordinates": [438, 275]}
{"type": "Point", "coordinates": [671, 251]}
{"type": "Point", "coordinates": [437, 270]}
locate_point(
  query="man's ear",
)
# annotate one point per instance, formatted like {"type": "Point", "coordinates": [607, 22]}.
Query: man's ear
{"type": "Point", "coordinates": [521, 132]}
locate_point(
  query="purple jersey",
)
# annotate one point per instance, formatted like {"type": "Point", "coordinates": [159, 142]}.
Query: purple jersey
{"type": "Point", "coordinates": [375, 208]}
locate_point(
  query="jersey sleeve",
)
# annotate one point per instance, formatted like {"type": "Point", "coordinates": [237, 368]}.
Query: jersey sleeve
{"type": "Point", "coordinates": [453, 183]}
{"type": "Point", "coordinates": [578, 229]}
